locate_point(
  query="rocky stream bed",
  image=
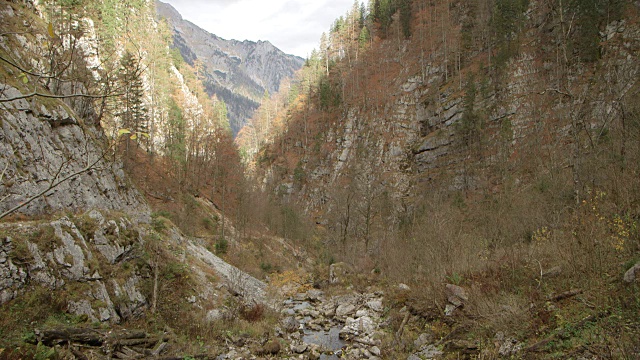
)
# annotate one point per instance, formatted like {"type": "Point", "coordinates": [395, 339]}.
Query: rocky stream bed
{"type": "Point", "coordinates": [314, 325]}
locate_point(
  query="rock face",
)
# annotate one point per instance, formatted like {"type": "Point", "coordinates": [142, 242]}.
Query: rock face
{"type": "Point", "coordinates": [412, 139]}
{"type": "Point", "coordinates": [42, 143]}
{"type": "Point", "coordinates": [238, 72]}
{"type": "Point", "coordinates": [76, 253]}
{"type": "Point", "coordinates": [238, 282]}
{"type": "Point", "coordinates": [57, 253]}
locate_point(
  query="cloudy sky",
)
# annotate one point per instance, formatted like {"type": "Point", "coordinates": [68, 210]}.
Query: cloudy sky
{"type": "Point", "coordinates": [294, 26]}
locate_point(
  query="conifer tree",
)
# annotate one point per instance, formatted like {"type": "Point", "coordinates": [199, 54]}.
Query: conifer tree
{"type": "Point", "coordinates": [133, 112]}
{"type": "Point", "coordinates": [405, 17]}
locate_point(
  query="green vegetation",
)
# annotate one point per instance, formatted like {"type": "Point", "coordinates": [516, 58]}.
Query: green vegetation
{"type": "Point", "coordinates": [469, 128]}
{"type": "Point", "coordinates": [37, 307]}
{"type": "Point", "coordinates": [507, 22]}
{"type": "Point", "coordinates": [222, 245]}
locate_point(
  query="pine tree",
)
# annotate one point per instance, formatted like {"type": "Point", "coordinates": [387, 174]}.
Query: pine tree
{"type": "Point", "coordinates": [176, 133]}
{"type": "Point", "coordinates": [363, 15]}
{"type": "Point", "coordinates": [508, 18]}
{"type": "Point", "coordinates": [405, 17]}
{"type": "Point", "coordinates": [133, 112]}
{"type": "Point", "coordinates": [364, 37]}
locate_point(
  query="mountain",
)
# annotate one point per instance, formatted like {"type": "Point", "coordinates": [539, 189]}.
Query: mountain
{"type": "Point", "coordinates": [238, 72]}
{"type": "Point", "coordinates": [450, 179]}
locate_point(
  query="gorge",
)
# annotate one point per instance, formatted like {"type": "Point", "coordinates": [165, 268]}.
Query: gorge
{"type": "Point", "coordinates": [443, 179]}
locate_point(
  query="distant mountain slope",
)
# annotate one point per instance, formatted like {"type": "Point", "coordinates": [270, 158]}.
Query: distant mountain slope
{"type": "Point", "coordinates": [238, 72]}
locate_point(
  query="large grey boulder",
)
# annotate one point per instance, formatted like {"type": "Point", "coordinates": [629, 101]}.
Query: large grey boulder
{"type": "Point", "coordinates": [632, 274]}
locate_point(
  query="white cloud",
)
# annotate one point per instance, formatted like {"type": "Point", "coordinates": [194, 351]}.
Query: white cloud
{"type": "Point", "coordinates": [294, 26]}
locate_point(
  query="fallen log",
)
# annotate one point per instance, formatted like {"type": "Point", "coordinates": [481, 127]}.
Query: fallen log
{"type": "Point", "coordinates": [70, 335]}
{"type": "Point", "coordinates": [78, 354]}
{"type": "Point", "coordinates": [567, 294]}
{"type": "Point", "coordinates": [145, 342]}
{"type": "Point", "coordinates": [127, 335]}
{"type": "Point", "coordinates": [126, 353]}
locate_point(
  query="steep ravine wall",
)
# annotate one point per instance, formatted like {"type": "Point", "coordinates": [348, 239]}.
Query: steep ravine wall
{"type": "Point", "coordinates": [84, 242]}
{"type": "Point", "coordinates": [415, 139]}
{"type": "Point", "coordinates": [43, 142]}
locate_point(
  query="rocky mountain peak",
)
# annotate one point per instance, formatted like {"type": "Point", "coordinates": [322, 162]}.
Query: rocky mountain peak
{"type": "Point", "coordinates": [238, 72]}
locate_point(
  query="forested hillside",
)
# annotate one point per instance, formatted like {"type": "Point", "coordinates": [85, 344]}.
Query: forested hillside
{"type": "Point", "coordinates": [491, 145]}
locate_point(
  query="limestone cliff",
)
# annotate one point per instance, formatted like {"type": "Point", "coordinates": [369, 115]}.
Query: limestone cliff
{"type": "Point", "coordinates": [416, 124]}
{"type": "Point", "coordinates": [45, 139]}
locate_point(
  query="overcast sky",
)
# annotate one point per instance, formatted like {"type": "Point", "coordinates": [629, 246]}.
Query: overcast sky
{"type": "Point", "coordinates": [294, 26]}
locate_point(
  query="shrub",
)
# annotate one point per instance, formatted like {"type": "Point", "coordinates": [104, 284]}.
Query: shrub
{"type": "Point", "coordinates": [266, 267]}
{"type": "Point", "coordinates": [252, 313]}
{"type": "Point", "coordinates": [174, 270]}
{"type": "Point", "coordinates": [208, 224]}
{"type": "Point", "coordinates": [44, 352]}
{"type": "Point", "coordinates": [158, 221]}
{"type": "Point", "coordinates": [221, 246]}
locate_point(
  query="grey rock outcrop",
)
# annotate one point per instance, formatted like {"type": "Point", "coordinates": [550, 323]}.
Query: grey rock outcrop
{"type": "Point", "coordinates": [41, 144]}
{"type": "Point", "coordinates": [57, 253]}
{"type": "Point", "coordinates": [426, 353]}
{"type": "Point", "coordinates": [12, 278]}
{"type": "Point", "coordinates": [238, 282]}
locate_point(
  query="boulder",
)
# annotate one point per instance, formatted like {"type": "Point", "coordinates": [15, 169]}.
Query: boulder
{"type": "Point", "coordinates": [363, 326]}
{"type": "Point", "coordinates": [290, 324]}
{"type": "Point", "coordinates": [456, 294]}
{"type": "Point", "coordinates": [314, 295]}
{"type": "Point", "coordinates": [404, 287]}
{"type": "Point", "coordinates": [428, 352]}
{"type": "Point", "coordinates": [375, 305]}
{"type": "Point", "coordinates": [423, 340]}
{"type": "Point", "coordinates": [345, 309]}
{"type": "Point", "coordinates": [507, 346]}
{"type": "Point", "coordinates": [375, 351]}
{"type": "Point", "coordinates": [299, 348]}
{"type": "Point", "coordinates": [553, 272]}
{"type": "Point", "coordinates": [214, 315]}
{"type": "Point", "coordinates": [632, 274]}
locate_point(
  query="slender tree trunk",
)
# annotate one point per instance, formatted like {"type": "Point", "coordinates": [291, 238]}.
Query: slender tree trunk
{"type": "Point", "coordinates": [223, 210]}
{"type": "Point", "coordinates": [154, 301]}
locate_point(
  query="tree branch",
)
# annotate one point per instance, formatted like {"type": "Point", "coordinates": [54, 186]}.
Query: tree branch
{"type": "Point", "coordinates": [35, 93]}
{"type": "Point", "coordinates": [42, 76]}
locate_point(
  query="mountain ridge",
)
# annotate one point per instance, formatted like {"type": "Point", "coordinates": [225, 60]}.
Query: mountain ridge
{"type": "Point", "coordinates": [238, 72]}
